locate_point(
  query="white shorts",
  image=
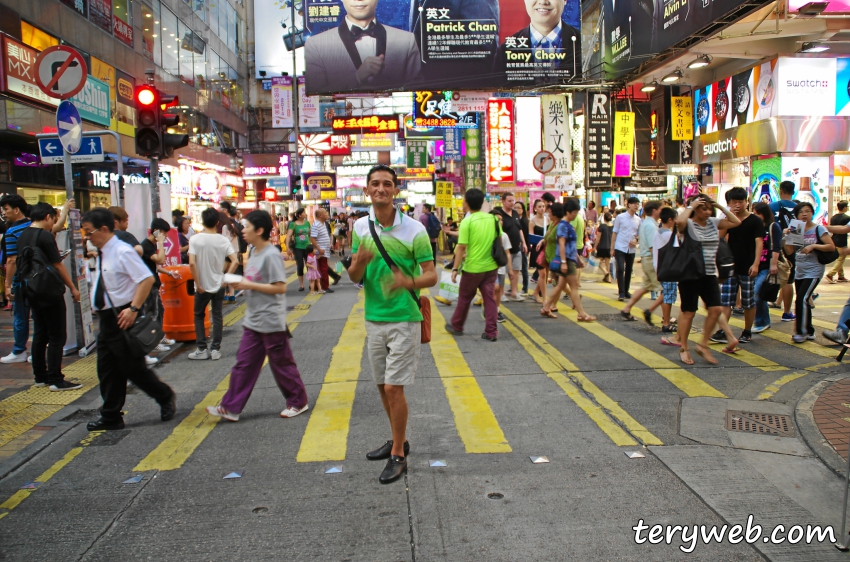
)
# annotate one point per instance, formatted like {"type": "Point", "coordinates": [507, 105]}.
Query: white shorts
{"type": "Point", "coordinates": [393, 349]}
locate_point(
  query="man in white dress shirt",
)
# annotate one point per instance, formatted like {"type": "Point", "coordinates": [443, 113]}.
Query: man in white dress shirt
{"type": "Point", "coordinates": [121, 284]}
{"type": "Point", "coordinates": [624, 242]}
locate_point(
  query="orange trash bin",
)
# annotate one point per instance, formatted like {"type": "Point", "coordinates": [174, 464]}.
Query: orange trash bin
{"type": "Point", "coordinates": [178, 300]}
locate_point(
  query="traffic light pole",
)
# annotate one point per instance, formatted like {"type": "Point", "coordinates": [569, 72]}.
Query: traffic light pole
{"type": "Point", "coordinates": [295, 164]}
{"type": "Point", "coordinates": [156, 205]}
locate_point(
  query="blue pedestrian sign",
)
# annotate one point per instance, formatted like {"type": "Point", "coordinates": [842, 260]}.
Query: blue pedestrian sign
{"type": "Point", "coordinates": [91, 150]}
{"type": "Point", "coordinates": [70, 126]}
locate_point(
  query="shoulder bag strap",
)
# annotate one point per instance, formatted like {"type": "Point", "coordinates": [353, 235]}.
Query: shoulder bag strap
{"type": "Point", "coordinates": [389, 261]}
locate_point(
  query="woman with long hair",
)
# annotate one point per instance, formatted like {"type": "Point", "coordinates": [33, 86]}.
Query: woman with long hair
{"type": "Point", "coordinates": [538, 223]}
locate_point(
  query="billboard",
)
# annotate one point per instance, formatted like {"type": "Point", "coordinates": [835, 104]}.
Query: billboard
{"type": "Point", "coordinates": [383, 45]}
{"type": "Point", "coordinates": [633, 32]}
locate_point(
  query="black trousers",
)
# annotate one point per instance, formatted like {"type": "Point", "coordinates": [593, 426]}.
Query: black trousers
{"type": "Point", "coordinates": [300, 259]}
{"type": "Point", "coordinates": [201, 302]}
{"type": "Point", "coordinates": [116, 365]}
{"type": "Point", "coordinates": [625, 263]}
{"type": "Point", "coordinates": [49, 336]}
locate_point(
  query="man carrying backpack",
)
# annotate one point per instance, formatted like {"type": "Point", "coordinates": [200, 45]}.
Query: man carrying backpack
{"type": "Point", "coordinates": [782, 213]}
{"type": "Point", "coordinates": [43, 280]}
{"type": "Point", "coordinates": [432, 225]}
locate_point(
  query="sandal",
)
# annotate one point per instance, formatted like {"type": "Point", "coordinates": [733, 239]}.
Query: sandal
{"type": "Point", "coordinates": [682, 353]}
{"type": "Point", "coordinates": [706, 354]}
{"type": "Point", "coordinates": [587, 318]}
{"type": "Point", "coordinates": [547, 313]}
{"type": "Point", "coordinates": [731, 350]}
{"type": "Point", "coordinates": [627, 316]}
{"type": "Point", "coordinates": [668, 341]}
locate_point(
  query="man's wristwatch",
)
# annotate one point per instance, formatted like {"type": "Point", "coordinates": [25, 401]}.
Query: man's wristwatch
{"type": "Point", "coordinates": [133, 309]}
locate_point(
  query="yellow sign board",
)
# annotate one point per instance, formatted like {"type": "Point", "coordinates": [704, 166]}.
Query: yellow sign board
{"type": "Point", "coordinates": [624, 143]}
{"type": "Point", "coordinates": [682, 117]}
{"type": "Point", "coordinates": [444, 194]}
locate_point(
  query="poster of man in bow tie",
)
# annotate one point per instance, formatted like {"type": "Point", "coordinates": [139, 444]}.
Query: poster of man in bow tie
{"type": "Point", "coordinates": [361, 54]}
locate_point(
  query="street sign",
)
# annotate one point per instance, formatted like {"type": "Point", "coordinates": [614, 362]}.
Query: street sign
{"type": "Point", "coordinates": [70, 126]}
{"type": "Point", "coordinates": [443, 194]}
{"type": "Point", "coordinates": [51, 151]}
{"type": "Point", "coordinates": [544, 161]}
{"type": "Point", "coordinates": [60, 71]}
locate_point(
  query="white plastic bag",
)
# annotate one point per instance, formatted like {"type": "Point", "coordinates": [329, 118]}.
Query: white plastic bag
{"type": "Point", "coordinates": [448, 290]}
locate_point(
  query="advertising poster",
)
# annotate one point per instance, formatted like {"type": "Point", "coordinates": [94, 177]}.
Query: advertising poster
{"type": "Point", "coordinates": [810, 175]}
{"type": "Point", "coordinates": [308, 107]}
{"type": "Point", "coordinates": [598, 131]}
{"type": "Point", "coordinates": [100, 14]}
{"type": "Point", "coordinates": [282, 102]}
{"type": "Point", "coordinates": [443, 194]}
{"type": "Point", "coordinates": [806, 86]}
{"type": "Point", "coordinates": [320, 185]}
{"type": "Point", "coordinates": [834, 6]}
{"type": "Point", "coordinates": [430, 44]}
{"type": "Point", "coordinates": [765, 178]}
{"type": "Point", "coordinates": [556, 132]}
{"type": "Point", "coordinates": [746, 97]}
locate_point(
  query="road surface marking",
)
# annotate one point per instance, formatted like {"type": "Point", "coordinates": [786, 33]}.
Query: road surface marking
{"type": "Point", "coordinates": [774, 387]}
{"type": "Point", "coordinates": [742, 355]}
{"type": "Point", "coordinates": [682, 379]}
{"type": "Point", "coordinates": [326, 436]}
{"type": "Point", "coordinates": [176, 449]}
{"type": "Point", "coordinates": [554, 363]}
{"type": "Point", "coordinates": [476, 424]}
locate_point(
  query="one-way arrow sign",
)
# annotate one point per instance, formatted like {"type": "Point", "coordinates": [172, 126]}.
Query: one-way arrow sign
{"type": "Point", "coordinates": [91, 150]}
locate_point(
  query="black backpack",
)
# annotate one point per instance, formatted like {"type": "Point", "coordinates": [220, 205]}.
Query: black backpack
{"type": "Point", "coordinates": [39, 279]}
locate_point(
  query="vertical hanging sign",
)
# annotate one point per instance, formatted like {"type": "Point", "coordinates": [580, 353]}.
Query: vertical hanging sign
{"type": "Point", "coordinates": [282, 102]}
{"type": "Point", "coordinates": [598, 130]}
{"type": "Point", "coordinates": [624, 143]}
{"type": "Point", "coordinates": [308, 107]}
{"type": "Point", "coordinates": [682, 118]}
{"type": "Point", "coordinates": [556, 133]}
{"type": "Point", "coordinates": [417, 154]}
{"type": "Point", "coordinates": [500, 143]}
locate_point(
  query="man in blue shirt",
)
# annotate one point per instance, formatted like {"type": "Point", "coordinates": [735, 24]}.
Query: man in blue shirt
{"type": "Point", "coordinates": [15, 209]}
{"type": "Point", "coordinates": [783, 214]}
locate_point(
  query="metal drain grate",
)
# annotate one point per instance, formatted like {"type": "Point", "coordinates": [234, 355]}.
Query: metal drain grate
{"type": "Point", "coordinates": [760, 423]}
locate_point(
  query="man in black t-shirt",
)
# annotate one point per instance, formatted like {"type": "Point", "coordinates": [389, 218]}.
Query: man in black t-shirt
{"type": "Point", "coordinates": [49, 333]}
{"type": "Point", "coordinates": [512, 226]}
{"type": "Point", "coordinates": [122, 222]}
{"type": "Point", "coordinates": [839, 219]}
{"type": "Point", "coordinates": [746, 242]}
{"type": "Point", "coordinates": [153, 255]}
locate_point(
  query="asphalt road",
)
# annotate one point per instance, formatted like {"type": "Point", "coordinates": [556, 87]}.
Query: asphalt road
{"type": "Point", "coordinates": [583, 395]}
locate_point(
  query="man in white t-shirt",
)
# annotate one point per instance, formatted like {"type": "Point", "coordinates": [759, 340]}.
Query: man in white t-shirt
{"type": "Point", "coordinates": [208, 251]}
{"type": "Point", "coordinates": [624, 242]}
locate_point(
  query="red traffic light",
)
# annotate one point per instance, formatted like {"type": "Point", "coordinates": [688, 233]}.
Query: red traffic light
{"type": "Point", "coordinates": [270, 195]}
{"type": "Point", "coordinates": [145, 95]}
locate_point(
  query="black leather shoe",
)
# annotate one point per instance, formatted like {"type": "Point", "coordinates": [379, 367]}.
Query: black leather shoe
{"type": "Point", "coordinates": [384, 451]}
{"type": "Point", "coordinates": [169, 409]}
{"type": "Point", "coordinates": [394, 470]}
{"type": "Point", "coordinates": [488, 338]}
{"type": "Point", "coordinates": [452, 331]}
{"type": "Point", "coordinates": [330, 290]}
{"type": "Point", "coordinates": [105, 425]}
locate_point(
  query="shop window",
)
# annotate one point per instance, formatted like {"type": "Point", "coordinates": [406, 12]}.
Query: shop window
{"type": "Point", "coordinates": [240, 36]}
{"type": "Point", "coordinates": [231, 28]}
{"type": "Point", "coordinates": [223, 6]}
{"type": "Point", "coordinates": [200, 9]}
{"type": "Point", "coordinates": [122, 21]}
{"type": "Point", "coordinates": [213, 63]}
{"type": "Point", "coordinates": [213, 4]}
{"type": "Point", "coordinates": [189, 45]}
{"type": "Point", "coordinates": [149, 33]}
{"type": "Point", "coordinates": [170, 42]}
{"type": "Point", "coordinates": [36, 38]}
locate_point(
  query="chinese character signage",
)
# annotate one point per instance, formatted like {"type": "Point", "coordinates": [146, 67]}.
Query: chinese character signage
{"type": "Point", "coordinates": [681, 117]}
{"type": "Point", "coordinates": [474, 140]}
{"type": "Point", "coordinates": [482, 44]}
{"type": "Point", "coordinates": [379, 142]}
{"type": "Point", "coordinates": [452, 144]}
{"type": "Point", "coordinates": [444, 194]}
{"type": "Point", "coordinates": [80, 6]}
{"type": "Point", "coordinates": [282, 102]}
{"type": "Point", "coordinates": [436, 109]}
{"type": "Point", "coordinates": [366, 124]}
{"type": "Point", "coordinates": [500, 140]}
{"type": "Point", "coordinates": [556, 132]}
{"type": "Point", "coordinates": [417, 154]}
{"type": "Point", "coordinates": [100, 14]}
{"type": "Point", "coordinates": [624, 143]}
{"type": "Point", "coordinates": [308, 107]}
{"type": "Point", "coordinates": [19, 71]}
{"type": "Point", "coordinates": [473, 174]}
{"type": "Point", "coordinates": [598, 130]}
{"type": "Point", "coordinates": [324, 144]}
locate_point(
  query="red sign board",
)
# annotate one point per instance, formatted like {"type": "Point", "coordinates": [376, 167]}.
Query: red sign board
{"type": "Point", "coordinates": [324, 144]}
{"type": "Point", "coordinates": [172, 248]}
{"type": "Point", "coordinates": [60, 71]}
{"type": "Point", "coordinates": [122, 31]}
{"type": "Point", "coordinates": [500, 143]}
{"type": "Point", "coordinates": [369, 124]}
{"type": "Point", "coordinates": [18, 75]}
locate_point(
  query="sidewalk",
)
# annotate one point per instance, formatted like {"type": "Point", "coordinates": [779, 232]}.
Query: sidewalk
{"type": "Point", "coordinates": [823, 415]}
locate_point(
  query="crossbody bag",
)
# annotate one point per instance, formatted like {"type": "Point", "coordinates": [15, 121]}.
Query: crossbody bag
{"type": "Point", "coordinates": [145, 333]}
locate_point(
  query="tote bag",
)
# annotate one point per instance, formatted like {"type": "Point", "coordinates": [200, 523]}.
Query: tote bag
{"type": "Point", "coordinates": [681, 261]}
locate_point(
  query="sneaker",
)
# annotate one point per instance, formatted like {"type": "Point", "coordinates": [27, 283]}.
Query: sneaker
{"type": "Point", "coordinates": [501, 318]}
{"type": "Point", "coordinates": [220, 412]}
{"type": "Point", "coordinates": [810, 337]}
{"type": "Point", "coordinates": [830, 279]}
{"type": "Point", "coordinates": [745, 337]}
{"type": "Point", "coordinates": [167, 341]}
{"type": "Point", "coordinates": [40, 384]}
{"type": "Point", "coordinates": [238, 294]}
{"type": "Point", "coordinates": [718, 337]}
{"type": "Point", "coordinates": [788, 316]}
{"type": "Point", "coordinates": [215, 355]}
{"type": "Point", "coordinates": [452, 331]}
{"type": "Point", "coordinates": [837, 336]}
{"type": "Point", "coordinates": [488, 338]}
{"type": "Point", "coordinates": [291, 412]}
{"type": "Point", "coordinates": [160, 348]}
{"type": "Point", "coordinates": [478, 301]}
{"type": "Point", "coordinates": [798, 338]}
{"type": "Point", "coordinates": [65, 385]}
{"type": "Point", "coordinates": [149, 361]}
{"type": "Point", "coordinates": [759, 329]}
{"type": "Point", "coordinates": [200, 354]}
{"type": "Point", "coordinates": [29, 359]}
{"type": "Point", "coordinates": [737, 311]}
{"type": "Point", "coordinates": [518, 298]}
{"type": "Point", "coordinates": [843, 280]}
{"type": "Point", "coordinates": [628, 295]}
{"type": "Point", "coordinates": [15, 357]}
{"type": "Point", "coordinates": [621, 298]}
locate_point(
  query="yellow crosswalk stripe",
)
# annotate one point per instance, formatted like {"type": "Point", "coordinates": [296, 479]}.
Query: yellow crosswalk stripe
{"type": "Point", "coordinates": [553, 363]}
{"type": "Point", "coordinates": [777, 314]}
{"type": "Point", "coordinates": [176, 449]}
{"type": "Point", "coordinates": [774, 387]}
{"type": "Point", "coordinates": [781, 337]}
{"type": "Point", "coordinates": [682, 379]}
{"type": "Point", "coordinates": [326, 436]}
{"type": "Point", "coordinates": [742, 355]}
{"type": "Point", "coordinates": [476, 424]}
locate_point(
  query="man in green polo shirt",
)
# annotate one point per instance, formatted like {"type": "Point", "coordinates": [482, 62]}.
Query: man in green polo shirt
{"type": "Point", "coordinates": [393, 320]}
{"type": "Point", "coordinates": [475, 243]}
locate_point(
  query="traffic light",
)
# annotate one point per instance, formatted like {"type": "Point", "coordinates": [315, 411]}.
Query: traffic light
{"type": "Point", "coordinates": [148, 132]}
{"type": "Point", "coordinates": [170, 141]}
{"type": "Point", "coordinates": [296, 186]}
{"type": "Point", "coordinates": [270, 195]}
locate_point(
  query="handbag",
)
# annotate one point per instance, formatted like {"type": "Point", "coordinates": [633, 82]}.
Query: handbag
{"type": "Point", "coordinates": [497, 252]}
{"type": "Point", "coordinates": [145, 333]}
{"type": "Point", "coordinates": [422, 302]}
{"type": "Point", "coordinates": [825, 257]}
{"type": "Point", "coordinates": [770, 289]}
{"type": "Point", "coordinates": [725, 260]}
{"type": "Point", "coordinates": [541, 257]}
{"type": "Point", "coordinates": [681, 261]}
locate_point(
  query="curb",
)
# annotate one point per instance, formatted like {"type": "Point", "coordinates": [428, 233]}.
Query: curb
{"type": "Point", "coordinates": [809, 430]}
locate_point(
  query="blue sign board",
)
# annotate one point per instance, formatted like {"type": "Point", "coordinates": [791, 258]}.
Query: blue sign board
{"type": "Point", "coordinates": [70, 126]}
{"type": "Point", "coordinates": [91, 150]}
{"type": "Point", "coordinates": [452, 150]}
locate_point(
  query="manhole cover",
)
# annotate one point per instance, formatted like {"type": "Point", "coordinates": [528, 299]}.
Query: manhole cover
{"type": "Point", "coordinates": [108, 438]}
{"type": "Point", "coordinates": [761, 423]}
